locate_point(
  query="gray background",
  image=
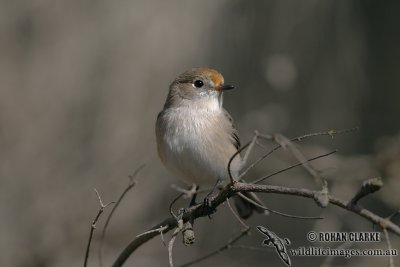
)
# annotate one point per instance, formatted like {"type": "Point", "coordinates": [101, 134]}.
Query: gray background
{"type": "Point", "coordinates": [81, 83]}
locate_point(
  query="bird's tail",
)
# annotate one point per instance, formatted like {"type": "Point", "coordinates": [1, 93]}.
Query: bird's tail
{"type": "Point", "coordinates": [245, 208]}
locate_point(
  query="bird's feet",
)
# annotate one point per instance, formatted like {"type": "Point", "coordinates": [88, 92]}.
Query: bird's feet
{"type": "Point", "coordinates": [207, 204]}
{"type": "Point", "coordinates": [207, 200]}
{"type": "Point", "coordinates": [186, 193]}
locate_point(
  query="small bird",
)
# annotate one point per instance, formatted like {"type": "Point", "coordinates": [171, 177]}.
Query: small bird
{"type": "Point", "coordinates": [195, 135]}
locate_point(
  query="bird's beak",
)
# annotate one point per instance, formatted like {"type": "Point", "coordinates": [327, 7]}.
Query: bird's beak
{"type": "Point", "coordinates": [223, 87]}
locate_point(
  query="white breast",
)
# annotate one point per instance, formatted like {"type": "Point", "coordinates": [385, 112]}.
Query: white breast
{"type": "Point", "coordinates": [195, 143]}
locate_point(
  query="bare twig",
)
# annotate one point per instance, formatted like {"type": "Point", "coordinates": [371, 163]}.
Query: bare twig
{"type": "Point", "coordinates": [159, 230]}
{"type": "Point", "coordinates": [236, 215]}
{"type": "Point", "coordinates": [236, 186]}
{"type": "Point", "coordinates": [172, 204]}
{"type": "Point", "coordinates": [171, 246]}
{"type": "Point", "coordinates": [245, 187]}
{"type": "Point", "coordinates": [179, 227]}
{"type": "Point", "coordinates": [93, 226]}
{"type": "Point", "coordinates": [231, 179]}
{"type": "Point", "coordinates": [131, 184]}
{"type": "Point", "coordinates": [292, 166]}
{"type": "Point", "coordinates": [170, 223]}
{"type": "Point", "coordinates": [393, 215]}
{"type": "Point", "coordinates": [286, 143]}
{"type": "Point", "coordinates": [219, 250]}
{"type": "Point", "coordinates": [368, 187]}
{"type": "Point", "coordinates": [277, 212]}
{"type": "Point", "coordinates": [389, 244]}
{"type": "Point", "coordinates": [187, 193]}
{"type": "Point", "coordinates": [199, 210]}
{"type": "Point", "coordinates": [330, 133]}
{"type": "Point", "coordinates": [250, 148]}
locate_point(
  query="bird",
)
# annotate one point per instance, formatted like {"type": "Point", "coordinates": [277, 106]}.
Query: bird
{"type": "Point", "coordinates": [196, 136]}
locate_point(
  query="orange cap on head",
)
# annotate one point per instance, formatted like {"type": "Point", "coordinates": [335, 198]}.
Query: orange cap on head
{"type": "Point", "coordinates": [214, 75]}
{"type": "Point", "coordinates": [213, 79]}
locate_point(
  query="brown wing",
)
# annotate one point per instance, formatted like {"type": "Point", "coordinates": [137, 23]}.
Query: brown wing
{"type": "Point", "coordinates": [234, 134]}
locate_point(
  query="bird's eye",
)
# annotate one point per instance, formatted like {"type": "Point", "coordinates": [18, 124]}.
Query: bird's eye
{"type": "Point", "coordinates": [198, 83]}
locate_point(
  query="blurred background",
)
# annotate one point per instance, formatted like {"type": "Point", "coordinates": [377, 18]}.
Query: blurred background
{"type": "Point", "coordinates": [81, 83]}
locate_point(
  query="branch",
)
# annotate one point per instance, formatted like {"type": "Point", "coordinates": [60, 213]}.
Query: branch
{"type": "Point", "coordinates": [172, 241]}
{"type": "Point", "coordinates": [93, 226]}
{"type": "Point", "coordinates": [132, 183]}
{"type": "Point", "coordinates": [228, 245]}
{"type": "Point", "coordinates": [259, 180]}
{"type": "Point", "coordinates": [202, 210]}
{"type": "Point", "coordinates": [368, 187]}
{"type": "Point", "coordinates": [391, 261]}
{"type": "Point", "coordinates": [370, 216]}
{"type": "Point", "coordinates": [330, 133]}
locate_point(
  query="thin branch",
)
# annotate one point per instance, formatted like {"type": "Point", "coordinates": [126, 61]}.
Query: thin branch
{"type": "Point", "coordinates": [292, 166]}
{"type": "Point", "coordinates": [228, 245]}
{"type": "Point", "coordinates": [187, 193]}
{"type": "Point", "coordinates": [368, 187]}
{"type": "Point", "coordinates": [200, 210]}
{"type": "Point", "coordinates": [236, 215]}
{"type": "Point", "coordinates": [251, 166]}
{"type": "Point", "coordinates": [172, 204]}
{"type": "Point", "coordinates": [171, 245]}
{"type": "Point", "coordinates": [286, 143]}
{"type": "Point", "coordinates": [250, 148]}
{"type": "Point", "coordinates": [277, 212]}
{"type": "Point", "coordinates": [159, 230]}
{"type": "Point", "coordinates": [370, 216]}
{"type": "Point", "coordinates": [330, 133]}
{"type": "Point", "coordinates": [233, 157]}
{"type": "Point", "coordinates": [393, 215]}
{"type": "Point", "coordinates": [131, 184]}
{"type": "Point", "coordinates": [93, 226]}
{"type": "Point", "coordinates": [389, 244]}
{"type": "Point", "coordinates": [169, 223]}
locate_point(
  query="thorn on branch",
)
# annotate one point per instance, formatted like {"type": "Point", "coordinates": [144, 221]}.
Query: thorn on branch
{"type": "Point", "coordinates": [368, 187]}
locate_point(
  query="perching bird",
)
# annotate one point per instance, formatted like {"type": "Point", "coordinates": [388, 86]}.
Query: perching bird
{"type": "Point", "coordinates": [195, 135]}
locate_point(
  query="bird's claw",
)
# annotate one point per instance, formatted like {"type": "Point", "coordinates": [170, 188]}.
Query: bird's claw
{"type": "Point", "coordinates": [186, 193]}
{"type": "Point", "coordinates": [207, 206]}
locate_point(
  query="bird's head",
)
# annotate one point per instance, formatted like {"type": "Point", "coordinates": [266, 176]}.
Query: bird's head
{"type": "Point", "coordinates": [199, 84]}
